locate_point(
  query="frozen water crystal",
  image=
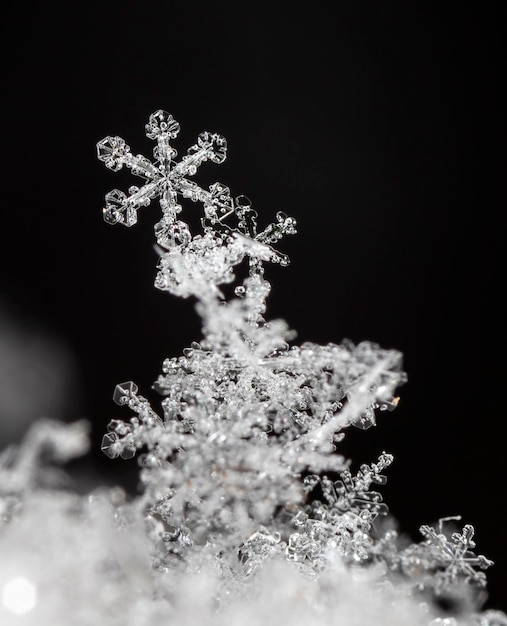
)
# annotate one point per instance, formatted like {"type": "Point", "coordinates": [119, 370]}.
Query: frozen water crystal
{"type": "Point", "coordinates": [162, 126]}
{"type": "Point", "coordinates": [444, 561]}
{"type": "Point", "coordinates": [352, 493]}
{"type": "Point", "coordinates": [191, 266]}
{"type": "Point", "coordinates": [245, 413]}
{"type": "Point", "coordinates": [165, 178]}
{"type": "Point", "coordinates": [248, 512]}
{"type": "Point", "coordinates": [109, 445]}
{"type": "Point", "coordinates": [124, 392]}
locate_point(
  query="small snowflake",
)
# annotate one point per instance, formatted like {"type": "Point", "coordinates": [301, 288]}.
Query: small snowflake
{"type": "Point", "coordinates": [455, 555]}
{"type": "Point", "coordinates": [165, 178]}
{"type": "Point", "coordinates": [450, 560]}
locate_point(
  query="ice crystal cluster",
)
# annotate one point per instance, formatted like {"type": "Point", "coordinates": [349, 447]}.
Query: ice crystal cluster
{"type": "Point", "coordinates": [247, 513]}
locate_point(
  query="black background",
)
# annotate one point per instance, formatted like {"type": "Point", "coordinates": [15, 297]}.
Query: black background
{"type": "Point", "coordinates": [377, 125]}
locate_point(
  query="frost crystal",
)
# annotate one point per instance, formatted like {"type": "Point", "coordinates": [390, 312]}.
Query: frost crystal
{"type": "Point", "coordinates": [165, 179]}
{"type": "Point", "coordinates": [247, 511]}
{"type": "Point", "coordinates": [449, 559]}
{"type": "Point", "coordinates": [190, 265]}
{"type": "Point", "coordinates": [242, 462]}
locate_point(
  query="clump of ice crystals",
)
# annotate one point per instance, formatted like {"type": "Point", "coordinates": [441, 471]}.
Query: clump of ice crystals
{"type": "Point", "coordinates": [244, 414]}
{"type": "Point", "coordinates": [247, 512]}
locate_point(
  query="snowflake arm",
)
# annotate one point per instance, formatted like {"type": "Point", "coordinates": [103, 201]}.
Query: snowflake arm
{"type": "Point", "coordinates": [352, 493]}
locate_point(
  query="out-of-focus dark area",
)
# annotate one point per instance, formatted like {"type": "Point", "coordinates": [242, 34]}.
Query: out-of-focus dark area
{"type": "Point", "coordinates": [379, 126]}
